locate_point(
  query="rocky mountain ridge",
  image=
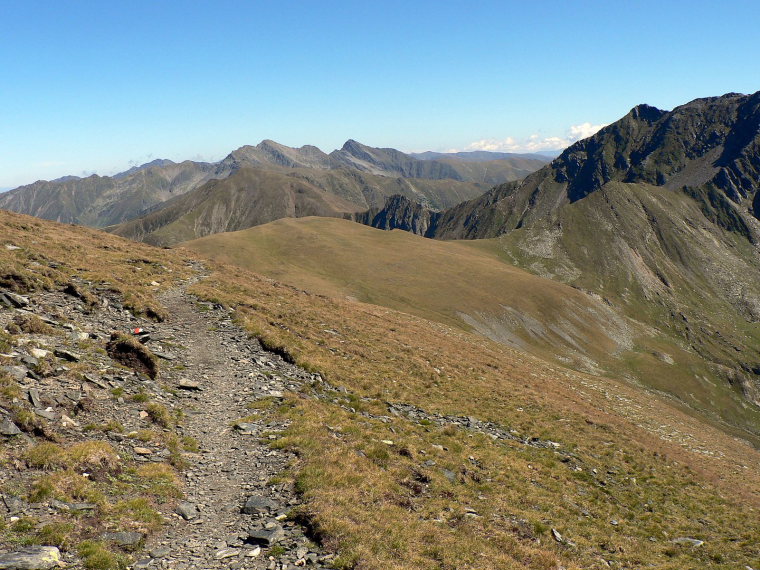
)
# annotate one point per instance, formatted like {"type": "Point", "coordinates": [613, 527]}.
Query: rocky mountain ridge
{"type": "Point", "coordinates": [656, 212]}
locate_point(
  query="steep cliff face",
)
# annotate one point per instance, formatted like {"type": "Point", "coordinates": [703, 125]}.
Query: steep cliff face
{"type": "Point", "coordinates": [400, 213]}
{"type": "Point", "coordinates": [708, 149]}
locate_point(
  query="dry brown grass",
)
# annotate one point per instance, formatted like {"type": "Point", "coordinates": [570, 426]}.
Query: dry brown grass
{"type": "Point", "coordinates": [643, 463]}
{"type": "Point", "coordinates": [368, 499]}
{"type": "Point", "coordinates": [31, 324]}
{"type": "Point", "coordinates": [53, 255]}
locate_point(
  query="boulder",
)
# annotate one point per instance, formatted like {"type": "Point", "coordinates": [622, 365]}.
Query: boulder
{"type": "Point", "coordinates": [187, 511]}
{"type": "Point", "coordinates": [7, 427]}
{"type": "Point", "coordinates": [266, 537]}
{"type": "Point", "coordinates": [258, 504]}
{"type": "Point", "coordinates": [123, 538]}
{"type": "Point", "coordinates": [31, 558]}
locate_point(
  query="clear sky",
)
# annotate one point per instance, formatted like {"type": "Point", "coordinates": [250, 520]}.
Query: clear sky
{"type": "Point", "coordinates": [99, 86]}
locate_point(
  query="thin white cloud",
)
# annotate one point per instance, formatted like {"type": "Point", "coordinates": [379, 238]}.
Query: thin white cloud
{"type": "Point", "coordinates": [535, 143]}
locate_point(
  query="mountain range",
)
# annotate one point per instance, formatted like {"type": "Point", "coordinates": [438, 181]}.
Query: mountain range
{"type": "Point", "coordinates": [350, 173]}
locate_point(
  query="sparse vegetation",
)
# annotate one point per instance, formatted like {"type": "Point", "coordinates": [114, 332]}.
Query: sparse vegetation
{"type": "Point", "coordinates": [159, 414]}
{"type": "Point", "coordinates": [32, 324]}
{"type": "Point", "coordinates": [96, 556]}
{"type": "Point", "coordinates": [381, 504]}
{"type": "Point", "coordinates": [84, 455]}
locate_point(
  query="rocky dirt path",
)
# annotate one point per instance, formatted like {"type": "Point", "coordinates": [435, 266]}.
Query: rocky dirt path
{"type": "Point", "coordinates": [234, 514]}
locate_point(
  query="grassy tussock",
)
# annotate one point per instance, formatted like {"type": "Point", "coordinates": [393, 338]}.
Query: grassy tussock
{"type": "Point", "coordinates": [131, 353]}
{"type": "Point", "coordinates": [30, 324]}
{"type": "Point", "coordinates": [84, 455]}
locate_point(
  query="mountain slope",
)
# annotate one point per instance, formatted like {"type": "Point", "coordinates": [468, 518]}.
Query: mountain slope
{"type": "Point", "coordinates": [249, 197]}
{"type": "Point", "coordinates": [656, 213]}
{"type": "Point", "coordinates": [253, 196]}
{"type": "Point", "coordinates": [103, 200]}
{"type": "Point", "coordinates": [454, 283]}
{"type": "Point", "coordinates": [391, 162]}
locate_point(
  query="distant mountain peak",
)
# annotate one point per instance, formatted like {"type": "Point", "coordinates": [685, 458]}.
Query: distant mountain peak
{"type": "Point", "coordinates": [352, 144]}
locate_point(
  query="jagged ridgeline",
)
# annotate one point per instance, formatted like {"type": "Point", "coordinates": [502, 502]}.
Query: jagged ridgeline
{"type": "Point", "coordinates": [658, 213]}
{"type": "Point", "coordinates": [270, 179]}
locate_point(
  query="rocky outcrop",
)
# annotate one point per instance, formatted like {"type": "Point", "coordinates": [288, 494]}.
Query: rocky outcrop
{"type": "Point", "coordinates": [400, 213]}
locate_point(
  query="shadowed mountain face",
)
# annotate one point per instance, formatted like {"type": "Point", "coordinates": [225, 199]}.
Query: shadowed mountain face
{"type": "Point", "coordinates": [708, 149]}
{"type": "Point", "coordinates": [102, 200]}
{"type": "Point", "coordinates": [658, 214]}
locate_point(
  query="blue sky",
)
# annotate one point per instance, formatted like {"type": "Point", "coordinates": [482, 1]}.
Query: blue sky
{"type": "Point", "coordinates": [98, 86]}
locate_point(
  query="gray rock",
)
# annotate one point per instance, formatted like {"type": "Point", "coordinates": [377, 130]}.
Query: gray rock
{"type": "Point", "coordinates": [34, 397]}
{"type": "Point", "coordinates": [7, 427]}
{"type": "Point", "coordinates": [557, 536]}
{"type": "Point", "coordinates": [246, 428]}
{"type": "Point", "coordinates": [258, 504]}
{"type": "Point", "coordinates": [123, 538]}
{"type": "Point", "coordinates": [31, 558]}
{"type": "Point", "coordinates": [29, 361]}
{"type": "Point", "coordinates": [17, 301]}
{"type": "Point", "coordinates": [160, 552]}
{"type": "Point", "coordinates": [16, 372]}
{"type": "Point", "coordinates": [187, 384]}
{"type": "Point", "coordinates": [95, 381]}
{"type": "Point", "coordinates": [47, 414]}
{"type": "Point", "coordinates": [187, 511]}
{"type": "Point", "coordinates": [164, 355]}
{"type": "Point", "coordinates": [688, 541]}
{"type": "Point", "coordinates": [266, 537]}
{"type": "Point", "coordinates": [67, 355]}
{"type": "Point", "coordinates": [61, 505]}
{"type": "Point", "coordinates": [14, 504]}
{"type": "Point", "coordinates": [226, 553]}
{"type": "Point", "coordinates": [450, 475]}
{"type": "Point", "coordinates": [143, 564]}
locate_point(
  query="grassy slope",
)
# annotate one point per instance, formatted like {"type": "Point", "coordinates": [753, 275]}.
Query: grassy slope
{"type": "Point", "coordinates": [665, 265]}
{"type": "Point", "coordinates": [48, 256]}
{"type": "Point", "coordinates": [658, 473]}
{"type": "Point", "coordinates": [452, 283]}
{"type": "Point", "coordinates": [443, 281]}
